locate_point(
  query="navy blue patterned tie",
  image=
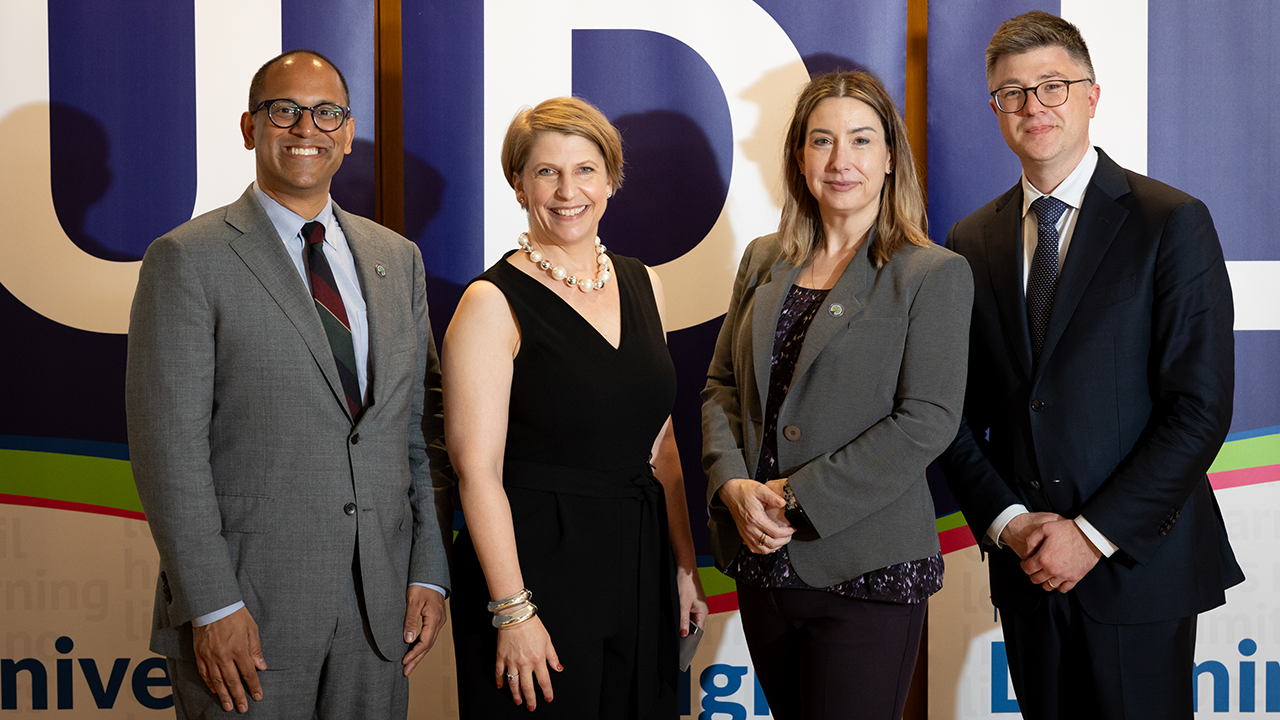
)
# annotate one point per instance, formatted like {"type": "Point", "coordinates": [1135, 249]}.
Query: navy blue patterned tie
{"type": "Point", "coordinates": [1043, 279]}
{"type": "Point", "coordinates": [333, 314]}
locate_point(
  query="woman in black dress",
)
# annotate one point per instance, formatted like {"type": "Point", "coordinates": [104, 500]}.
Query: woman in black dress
{"type": "Point", "coordinates": [575, 563]}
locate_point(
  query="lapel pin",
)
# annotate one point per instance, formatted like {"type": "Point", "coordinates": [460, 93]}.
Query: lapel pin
{"type": "Point", "coordinates": [836, 309]}
{"type": "Point", "coordinates": [380, 269]}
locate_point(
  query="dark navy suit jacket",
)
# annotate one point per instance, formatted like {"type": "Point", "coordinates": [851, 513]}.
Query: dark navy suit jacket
{"type": "Point", "coordinates": [1125, 409]}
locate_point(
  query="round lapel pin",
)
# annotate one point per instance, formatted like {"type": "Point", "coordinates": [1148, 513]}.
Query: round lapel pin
{"type": "Point", "coordinates": [380, 269]}
{"type": "Point", "coordinates": [836, 309]}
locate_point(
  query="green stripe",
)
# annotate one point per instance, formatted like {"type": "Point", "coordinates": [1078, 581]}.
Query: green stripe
{"type": "Point", "coordinates": [69, 478]}
{"type": "Point", "coordinates": [1249, 453]}
{"type": "Point", "coordinates": [951, 522]}
{"type": "Point", "coordinates": [715, 582]}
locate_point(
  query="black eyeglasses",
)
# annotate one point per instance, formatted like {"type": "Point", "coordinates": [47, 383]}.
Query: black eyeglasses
{"type": "Point", "coordinates": [285, 113]}
{"type": "Point", "coordinates": [1050, 93]}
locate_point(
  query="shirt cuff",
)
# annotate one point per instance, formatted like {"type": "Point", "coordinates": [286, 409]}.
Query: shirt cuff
{"type": "Point", "coordinates": [997, 526]}
{"type": "Point", "coordinates": [437, 588]}
{"type": "Point", "coordinates": [1100, 541]}
{"type": "Point", "coordinates": [216, 615]}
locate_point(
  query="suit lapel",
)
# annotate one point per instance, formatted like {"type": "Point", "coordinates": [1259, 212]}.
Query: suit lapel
{"type": "Point", "coordinates": [764, 320]}
{"type": "Point", "coordinates": [1004, 259]}
{"type": "Point", "coordinates": [368, 255]}
{"type": "Point", "coordinates": [260, 249]}
{"type": "Point", "coordinates": [848, 293]}
{"type": "Point", "coordinates": [1100, 219]}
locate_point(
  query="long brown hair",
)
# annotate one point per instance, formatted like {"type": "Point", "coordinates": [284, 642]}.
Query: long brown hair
{"type": "Point", "coordinates": [901, 220]}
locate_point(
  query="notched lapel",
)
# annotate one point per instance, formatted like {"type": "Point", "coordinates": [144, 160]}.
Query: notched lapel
{"type": "Point", "coordinates": [368, 252]}
{"type": "Point", "coordinates": [849, 293]}
{"type": "Point", "coordinates": [764, 320]}
{"type": "Point", "coordinates": [1100, 220]}
{"type": "Point", "coordinates": [1003, 242]}
{"type": "Point", "coordinates": [260, 249]}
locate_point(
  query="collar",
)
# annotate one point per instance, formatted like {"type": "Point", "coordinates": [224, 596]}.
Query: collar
{"type": "Point", "coordinates": [1069, 191]}
{"type": "Point", "coordinates": [289, 224]}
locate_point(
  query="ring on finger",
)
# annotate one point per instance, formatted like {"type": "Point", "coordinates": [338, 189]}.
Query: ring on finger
{"type": "Point", "coordinates": [1051, 585]}
{"type": "Point", "coordinates": [512, 677]}
{"type": "Point", "coordinates": [761, 541]}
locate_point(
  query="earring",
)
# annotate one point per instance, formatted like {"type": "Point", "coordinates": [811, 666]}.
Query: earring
{"type": "Point", "coordinates": [608, 195]}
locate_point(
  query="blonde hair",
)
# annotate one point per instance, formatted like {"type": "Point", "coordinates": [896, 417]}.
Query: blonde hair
{"type": "Point", "coordinates": [901, 220]}
{"type": "Point", "coordinates": [567, 115]}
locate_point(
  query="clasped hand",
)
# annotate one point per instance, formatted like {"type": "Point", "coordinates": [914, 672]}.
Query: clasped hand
{"type": "Point", "coordinates": [759, 513]}
{"type": "Point", "coordinates": [1055, 552]}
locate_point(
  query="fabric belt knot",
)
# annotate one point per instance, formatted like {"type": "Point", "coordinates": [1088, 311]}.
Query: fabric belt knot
{"type": "Point", "coordinates": [333, 314]}
{"type": "Point", "coordinates": [1042, 281]}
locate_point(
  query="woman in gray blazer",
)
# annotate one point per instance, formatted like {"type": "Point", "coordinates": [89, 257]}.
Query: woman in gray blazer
{"type": "Point", "coordinates": [837, 378]}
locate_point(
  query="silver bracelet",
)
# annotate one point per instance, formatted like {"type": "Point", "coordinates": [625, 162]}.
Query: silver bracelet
{"type": "Point", "coordinates": [519, 598]}
{"type": "Point", "coordinates": [502, 621]}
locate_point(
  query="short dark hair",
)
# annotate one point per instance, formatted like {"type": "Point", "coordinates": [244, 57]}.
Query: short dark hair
{"type": "Point", "coordinates": [260, 77]}
{"type": "Point", "coordinates": [1032, 31]}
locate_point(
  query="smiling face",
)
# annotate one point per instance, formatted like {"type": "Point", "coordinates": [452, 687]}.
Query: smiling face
{"type": "Point", "coordinates": [565, 188]}
{"type": "Point", "coordinates": [295, 165]}
{"type": "Point", "coordinates": [845, 158]}
{"type": "Point", "coordinates": [1049, 141]}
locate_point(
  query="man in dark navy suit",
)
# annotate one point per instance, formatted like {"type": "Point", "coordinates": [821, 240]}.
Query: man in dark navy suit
{"type": "Point", "coordinates": [1101, 372]}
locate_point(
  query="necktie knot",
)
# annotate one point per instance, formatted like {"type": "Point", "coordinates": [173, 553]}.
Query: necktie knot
{"type": "Point", "coordinates": [1048, 209]}
{"type": "Point", "coordinates": [313, 232]}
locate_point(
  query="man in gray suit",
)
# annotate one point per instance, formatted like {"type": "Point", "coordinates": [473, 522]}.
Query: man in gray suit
{"type": "Point", "coordinates": [285, 432]}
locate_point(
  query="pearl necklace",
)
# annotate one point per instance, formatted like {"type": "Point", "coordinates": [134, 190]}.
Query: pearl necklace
{"type": "Point", "coordinates": [558, 272]}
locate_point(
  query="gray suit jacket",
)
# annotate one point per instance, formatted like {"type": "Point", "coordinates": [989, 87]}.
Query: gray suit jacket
{"type": "Point", "coordinates": [256, 484]}
{"type": "Point", "coordinates": [876, 396]}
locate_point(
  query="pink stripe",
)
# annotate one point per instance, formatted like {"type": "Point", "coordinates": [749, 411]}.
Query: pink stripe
{"type": "Point", "coordinates": [1244, 476]}
{"type": "Point", "coordinates": [68, 505]}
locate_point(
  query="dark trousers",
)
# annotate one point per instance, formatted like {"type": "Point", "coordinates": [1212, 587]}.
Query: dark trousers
{"type": "Point", "coordinates": [820, 655]}
{"type": "Point", "coordinates": [1065, 665]}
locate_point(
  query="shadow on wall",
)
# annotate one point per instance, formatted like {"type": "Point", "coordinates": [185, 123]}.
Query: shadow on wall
{"type": "Point", "coordinates": [80, 175]}
{"type": "Point", "coordinates": [673, 191]}
{"type": "Point", "coordinates": [353, 185]}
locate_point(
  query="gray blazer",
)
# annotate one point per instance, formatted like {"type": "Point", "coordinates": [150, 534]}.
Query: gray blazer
{"type": "Point", "coordinates": [256, 484]}
{"type": "Point", "coordinates": [876, 396]}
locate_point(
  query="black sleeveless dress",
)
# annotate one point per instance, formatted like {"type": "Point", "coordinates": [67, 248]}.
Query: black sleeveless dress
{"type": "Point", "coordinates": [589, 517]}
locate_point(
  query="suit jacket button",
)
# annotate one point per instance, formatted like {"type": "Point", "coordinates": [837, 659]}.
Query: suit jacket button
{"type": "Point", "coordinates": [1037, 405]}
{"type": "Point", "coordinates": [355, 439]}
{"type": "Point", "coordinates": [349, 508]}
{"type": "Point", "coordinates": [791, 432]}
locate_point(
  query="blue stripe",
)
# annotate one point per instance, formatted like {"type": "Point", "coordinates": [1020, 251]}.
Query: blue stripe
{"type": "Point", "coordinates": [1250, 434]}
{"type": "Point", "coordinates": [60, 446]}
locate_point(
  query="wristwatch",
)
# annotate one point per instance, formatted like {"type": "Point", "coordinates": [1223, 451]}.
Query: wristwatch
{"type": "Point", "coordinates": [796, 515]}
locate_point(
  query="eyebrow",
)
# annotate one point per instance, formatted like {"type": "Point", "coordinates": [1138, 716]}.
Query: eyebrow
{"type": "Point", "coordinates": [852, 131]}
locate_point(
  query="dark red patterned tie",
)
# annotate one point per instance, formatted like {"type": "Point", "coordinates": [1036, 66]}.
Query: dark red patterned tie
{"type": "Point", "coordinates": [333, 314]}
